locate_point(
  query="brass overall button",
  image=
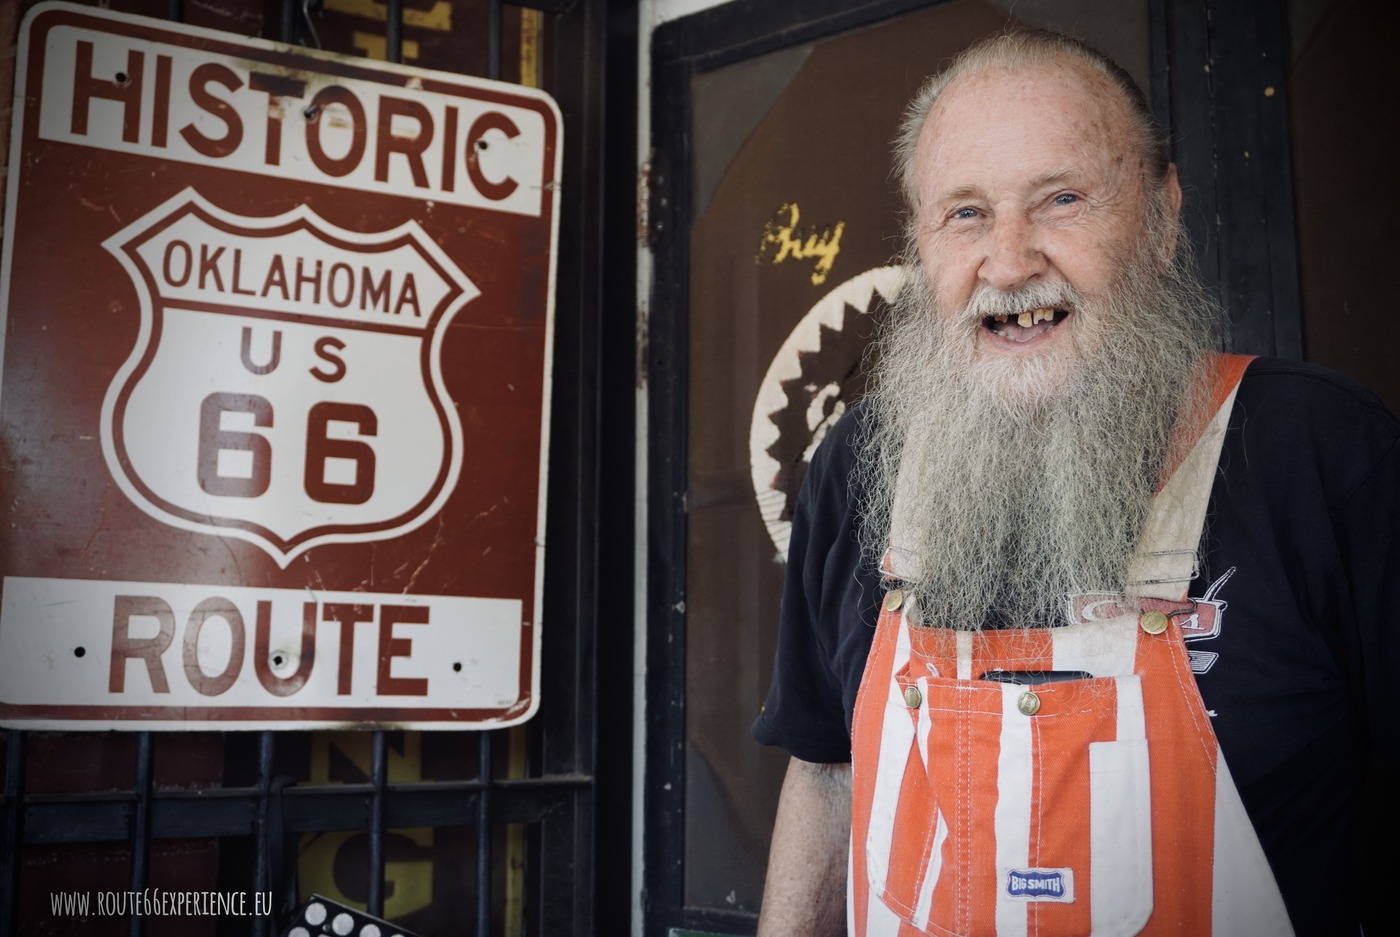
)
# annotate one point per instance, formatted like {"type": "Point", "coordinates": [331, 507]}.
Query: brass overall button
{"type": "Point", "coordinates": [912, 697]}
{"type": "Point", "coordinates": [1153, 622]}
{"type": "Point", "coordinates": [1028, 703]}
{"type": "Point", "coordinates": [893, 600]}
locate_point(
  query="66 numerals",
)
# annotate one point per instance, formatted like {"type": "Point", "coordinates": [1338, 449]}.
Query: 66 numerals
{"type": "Point", "coordinates": [320, 449]}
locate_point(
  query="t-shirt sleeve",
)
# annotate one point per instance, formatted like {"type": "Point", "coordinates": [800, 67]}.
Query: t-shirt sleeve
{"type": "Point", "coordinates": [1317, 481]}
{"type": "Point", "coordinates": [1299, 677]}
{"type": "Point", "coordinates": [805, 711]}
{"type": "Point", "coordinates": [1369, 526]}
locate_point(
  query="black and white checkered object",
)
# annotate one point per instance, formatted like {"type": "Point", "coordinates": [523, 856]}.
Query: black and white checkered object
{"type": "Point", "coordinates": [320, 916]}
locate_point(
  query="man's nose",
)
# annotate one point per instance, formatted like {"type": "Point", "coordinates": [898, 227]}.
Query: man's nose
{"type": "Point", "coordinates": [1014, 257]}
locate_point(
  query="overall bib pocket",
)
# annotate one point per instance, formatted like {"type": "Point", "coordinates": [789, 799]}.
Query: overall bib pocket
{"type": "Point", "coordinates": [1008, 809]}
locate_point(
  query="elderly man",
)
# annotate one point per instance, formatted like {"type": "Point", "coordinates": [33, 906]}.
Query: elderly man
{"type": "Point", "coordinates": [1014, 698]}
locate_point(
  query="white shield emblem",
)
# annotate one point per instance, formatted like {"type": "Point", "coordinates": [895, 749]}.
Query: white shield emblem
{"type": "Point", "coordinates": [285, 387]}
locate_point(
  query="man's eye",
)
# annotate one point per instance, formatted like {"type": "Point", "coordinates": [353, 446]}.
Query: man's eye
{"type": "Point", "coordinates": [1066, 198]}
{"type": "Point", "coordinates": [965, 213]}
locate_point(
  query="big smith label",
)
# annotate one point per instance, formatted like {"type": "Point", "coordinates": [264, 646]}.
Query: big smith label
{"type": "Point", "coordinates": [274, 386]}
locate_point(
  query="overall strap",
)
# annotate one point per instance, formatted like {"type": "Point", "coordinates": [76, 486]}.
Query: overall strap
{"type": "Point", "coordinates": [1166, 557]}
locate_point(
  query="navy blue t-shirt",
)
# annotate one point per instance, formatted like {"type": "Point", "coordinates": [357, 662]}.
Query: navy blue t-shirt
{"type": "Point", "coordinates": [1302, 553]}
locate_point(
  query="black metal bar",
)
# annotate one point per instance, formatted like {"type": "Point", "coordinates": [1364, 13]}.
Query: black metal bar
{"type": "Point", "coordinates": [667, 371]}
{"type": "Point", "coordinates": [14, 828]}
{"type": "Point", "coordinates": [262, 839]}
{"type": "Point", "coordinates": [107, 816]}
{"type": "Point", "coordinates": [493, 39]}
{"type": "Point", "coordinates": [613, 677]}
{"type": "Point", "coordinates": [287, 27]}
{"type": "Point", "coordinates": [379, 780]}
{"type": "Point", "coordinates": [483, 837]}
{"type": "Point", "coordinates": [393, 33]}
{"type": "Point", "coordinates": [175, 10]}
{"type": "Point", "coordinates": [568, 722]}
{"type": "Point", "coordinates": [141, 824]}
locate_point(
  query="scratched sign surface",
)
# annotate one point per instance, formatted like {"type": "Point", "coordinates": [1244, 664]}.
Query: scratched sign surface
{"type": "Point", "coordinates": [274, 387]}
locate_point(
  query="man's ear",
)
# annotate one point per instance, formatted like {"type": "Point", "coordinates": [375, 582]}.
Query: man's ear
{"type": "Point", "coordinates": [1171, 189]}
{"type": "Point", "coordinates": [1171, 201]}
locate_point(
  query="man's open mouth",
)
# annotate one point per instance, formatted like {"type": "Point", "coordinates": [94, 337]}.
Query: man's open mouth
{"type": "Point", "coordinates": [1026, 325]}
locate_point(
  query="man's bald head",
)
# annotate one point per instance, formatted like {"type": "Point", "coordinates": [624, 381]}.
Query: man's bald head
{"type": "Point", "coordinates": [1023, 49]}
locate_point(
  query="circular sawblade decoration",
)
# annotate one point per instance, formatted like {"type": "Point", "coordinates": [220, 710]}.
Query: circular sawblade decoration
{"type": "Point", "coordinates": [811, 379]}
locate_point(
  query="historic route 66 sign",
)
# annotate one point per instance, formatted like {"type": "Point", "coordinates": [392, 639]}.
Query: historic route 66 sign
{"type": "Point", "coordinates": [306, 361]}
{"type": "Point", "coordinates": [274, 389]}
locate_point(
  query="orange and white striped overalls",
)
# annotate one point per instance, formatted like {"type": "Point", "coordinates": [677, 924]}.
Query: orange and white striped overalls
{"type": "Point", "coordinates": [1097, 806]}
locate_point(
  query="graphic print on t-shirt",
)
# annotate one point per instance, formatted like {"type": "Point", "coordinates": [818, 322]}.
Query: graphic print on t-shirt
{"type": "Point", "coordinates": [1199, 619]}
{"type": "Point", "coordinates": [1204, 624]}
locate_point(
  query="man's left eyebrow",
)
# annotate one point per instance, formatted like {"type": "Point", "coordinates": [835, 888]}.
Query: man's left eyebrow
{"type": "Point", "coordinates": [1054, 178]}
{"type": "Point", "coordinates": [958, 194]}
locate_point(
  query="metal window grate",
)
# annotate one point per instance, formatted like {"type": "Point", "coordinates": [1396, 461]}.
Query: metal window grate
{"type": "Point", "coordinates": [269, 812]}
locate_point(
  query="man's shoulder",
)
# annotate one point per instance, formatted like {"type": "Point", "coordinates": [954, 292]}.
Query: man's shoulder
{"type": "Point", "coordinates": [1305, 390]}
{"type": "Point", "coordinates": [1308, 430]}
{"type": "Point", "coordinates": [838, 449]}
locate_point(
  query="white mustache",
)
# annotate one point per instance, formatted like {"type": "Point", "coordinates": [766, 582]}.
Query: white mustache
{"type": "Point", "coordinates": [989, 301]}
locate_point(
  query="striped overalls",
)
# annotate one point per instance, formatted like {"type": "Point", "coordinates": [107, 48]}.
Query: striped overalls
{"type": "Point", "coordinates": [1097, 805]}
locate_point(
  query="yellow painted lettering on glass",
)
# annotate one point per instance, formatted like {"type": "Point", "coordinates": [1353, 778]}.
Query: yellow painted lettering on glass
{"type": "Point", "coordinates": [783, 238]}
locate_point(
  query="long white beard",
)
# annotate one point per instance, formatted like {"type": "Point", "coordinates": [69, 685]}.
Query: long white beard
{"type": "Point", "coordinates": [1003, 484]}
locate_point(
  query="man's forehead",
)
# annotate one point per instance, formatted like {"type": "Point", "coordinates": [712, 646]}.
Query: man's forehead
{"type": "Point", "coordinates": [1066, 84]}
{"type": "Point", "coordinates": [1065, 120]}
